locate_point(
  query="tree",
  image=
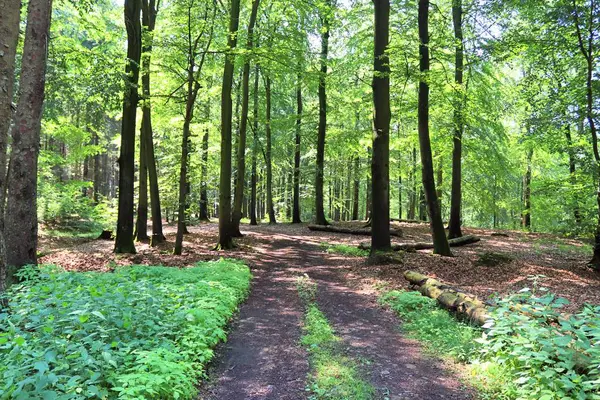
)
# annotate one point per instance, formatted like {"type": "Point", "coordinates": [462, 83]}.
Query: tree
{"type": "Point", "coordinates": [147, 157]}
{"type": "Point", "coordinates": [299, 107]}
{"type": "Point", "coordinates": [437, 227]}
{"type": "Point", "coordinates": [225, 233]}
{"type": "Point", "coordinates": [454, 225]}
{"type": "Point", "coordinates": [241, 151]}
{"type": "Point", "coordinates": [9, 39]}
{"type": "Point", "coordinates": [253, 175]}
{"type": "Point", "coordinates": [324, 12]}
{"type": "Point", "coordinates": [21, 220]}
{"type": "Point", "coordinates": [268, 153]}
{"type": "Point", "coordinates": [380, 217]}
{"type": "Point", "coordinates": [124, 240]}
{"type": "Point", "coordinates": [194, 71]}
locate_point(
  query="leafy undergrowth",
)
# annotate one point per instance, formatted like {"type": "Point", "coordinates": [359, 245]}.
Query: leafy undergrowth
{"type": "Point", "coordinates": [528, 350]}
{"type": "Point", "coordinates": [137, 333]}
{"type": "Point", "coordinates": [345, 250]}
{"type": "Point", "coordinates": [334, 375]}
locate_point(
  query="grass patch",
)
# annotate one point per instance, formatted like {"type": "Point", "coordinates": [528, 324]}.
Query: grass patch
{"type": "Point", "coordinates": [443, 336]}
{"type": "Point", "coordinates": [560, 247]}
{"type": "Point", "coordinates": [81, 229]}
{"type": "Point", "coordinates": [334, 375]}
{"type": "Point", "coordinates": [345, 250]}
{"type": "Point", "coordinates": [140, 332]}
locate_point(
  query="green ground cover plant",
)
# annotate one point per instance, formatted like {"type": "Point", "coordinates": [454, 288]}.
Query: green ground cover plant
{"type": "Point", "coordinates": [138, 333]}
{"type": "Point", "coordinates": [345, 250]}
{"type": "Point", "coordinates": [528, 350]}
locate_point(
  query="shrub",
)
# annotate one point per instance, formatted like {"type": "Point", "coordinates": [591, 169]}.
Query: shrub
{"type": "Point", "coordinates": [138, 333]}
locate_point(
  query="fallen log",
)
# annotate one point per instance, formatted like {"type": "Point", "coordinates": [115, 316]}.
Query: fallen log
{"type": "Point", "coordinates": [350, 231]}
{"type": "Point", "coordinates": [465, 305]}
{"type": "Point", "coordinates": [461, 241]}
{"type": "Point", "coordinates": [409, 221]}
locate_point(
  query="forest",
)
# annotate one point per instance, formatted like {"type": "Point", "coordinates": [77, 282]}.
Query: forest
{"type": "Point", "coordinates": [312, 199]}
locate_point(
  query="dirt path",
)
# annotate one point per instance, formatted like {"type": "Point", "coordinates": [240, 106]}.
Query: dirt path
{"type": "Point", "coordinates": [263, 359]}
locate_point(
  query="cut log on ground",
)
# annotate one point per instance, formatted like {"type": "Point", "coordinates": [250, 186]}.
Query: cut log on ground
{"type": "Point", "coordinates": [409, 221]}
{"type": "Point", "coordinates": [465, 305]}
{"type": "Point", "coordinates": [461, 241]}
{"type": "Point", "coordinates": [350, 231]}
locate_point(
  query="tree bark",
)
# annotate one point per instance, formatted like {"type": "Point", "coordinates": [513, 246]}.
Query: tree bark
{"type": "Point", "coordinates": [437, 227]}
{"type": "Point", "coordinates": [380, 174]}
{"type": "Point", "coordinates": [356, 190]}
{"type": "Point", "coordinates": [21, 207]}
{"type": "Point", "coordinates": [270, 208]}
{"type": "Point", "coordinates": [225, 234]}
{"type": "Point", "coordinates": [9, 41]}
{"type": "Point", "coordinates": [241, 150]}
{"type": "Point", "coordinates": [149, 13]}
{"type": "Point", "coordinates": [527, 192]}
{"type": "Point", "coordinates": [454, 225]}
{"type": "Point", "coordinates": [124, 241]}
{"type": "Point", "coordinates": [204, 171]}
{"type": "Point", "coordinates": [572, 173]}
{"type": "Point", "coordinates": [141, 225]}
{"type": "Point", "coordinates": [319, 197]}
{"type": "Point", "coordinates": [253, 176]}
{"type": "Point", "coordinates": [299, 108]}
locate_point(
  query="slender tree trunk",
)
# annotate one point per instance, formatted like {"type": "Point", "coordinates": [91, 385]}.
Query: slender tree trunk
{"type": "Point", "coordinates": [440, 241]}
{"type": "Point", "coordinates": [270, 209]}
{"type": "Point", "coordinates": [572, 173]}
{"type": "Point", "coordinates": [124, 242]}
{"type": "Point", "coordinates": [241, 151]}
{"type": "Point", "coordinates": [225, 234]}
{"type": "Point", "coordinates": [356, 190]}
{"type": "Point", "coordinates": [412, 203]}
{"type": "Point", "coordinates": [149, 12]}
{"type": "Point", "coordinates": [348, 192]}
{"type": "Point", "coordinates": [253, 176]}
{"type": "Point", "coordinates": [204, 171]}
{"type": "Point", "coordinates": [380, 170]}
{"type": "Point", "coordinates": [97, 170]}
{"type": "Point", "coordinates": [9, 40]}
{"type": "Point", "coordinates": [296, 208]}
{"type": "Point", "coordinates": [454, 225]}
{"type": "Point", "coordinates": [527, 193]}
{"type": "Point", "coordinates": [319, 197]}
{"type": "Point", "coordinates": [21, 207]}
{"type": "Point", "coordinates": [141, 226]}
{"type": "Point", "coordinates": [368, 202]}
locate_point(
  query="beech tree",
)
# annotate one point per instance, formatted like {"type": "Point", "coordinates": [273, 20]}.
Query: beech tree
{"type": "Point", "coordinates": [124, 238]}
{"type": "Point", "coordinates": [21, 206]}
{"type": "Point", "coordinates": [380, 217]}
{"type": "Point", "coordinates": [225, 232]}
{"type": "Point", "coordinates": [437, 227]}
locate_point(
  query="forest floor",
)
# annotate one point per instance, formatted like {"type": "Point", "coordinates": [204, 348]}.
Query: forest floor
{"type": "Point", "coordinates": [263, 358]}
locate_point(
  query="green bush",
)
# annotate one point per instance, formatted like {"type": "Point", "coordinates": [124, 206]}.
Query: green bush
{"type": "Point", "coordinates": [137, 333]}
{"type": "Point", "coordinates": [550, 355]}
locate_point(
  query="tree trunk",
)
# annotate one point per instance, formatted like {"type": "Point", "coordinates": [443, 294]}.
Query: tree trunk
{"type": "Point", "coordinates": [412, 203]}
{"type": "Point", "coordinates": [141, 225]}
{"type": "Point", "coordinates": [21, 207]}
{"type": "Point", "coordinates": [97, 170]}
{"type": "Point", "coordinates": [437, 227]}
{"type": "Point", "coordinates": [572, 173]}
{"type": "Point", "coordinates": [319, 197]}
{"type": "Point", "coordinates": [253, 176]}
{"type": "Point", "coordinates": [527, 193]}
{"type": "Point", "coordinates": [454, 224]}
{"type": "Point", "coordinates": [149, 12]}
{"type": "Point", "coordinates": [270, 208]}
{"type": "Point", "coordinates": [9, 40]}
{"type": "Point", "coordinates": [124, 242]}
{"type": "Point", "coordinates": [356, 190]}
{"type": "Point", "coordinates": [296, 208]}
{"type": "Point", "coordinates": [204, 172]}
{"type": "Point", "coordinates": [241, 150]}
{"type": "Point", "coordinates": [225, 234]}
{"type": "Point", "coordinates": [380, 173]}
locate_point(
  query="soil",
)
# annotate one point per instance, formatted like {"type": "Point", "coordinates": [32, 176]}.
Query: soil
{"type": "Point", "coordinates": [263, 358]}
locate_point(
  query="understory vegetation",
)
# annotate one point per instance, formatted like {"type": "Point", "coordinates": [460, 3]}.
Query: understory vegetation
{"type": "Point", "coordinates": [137, 333]}
{"type": "Point", "coordinates": [345, 250]}
{"type": "Point", "coordinates": [334, 375]}
{"type": "Point", "coordinates": [528, 349]}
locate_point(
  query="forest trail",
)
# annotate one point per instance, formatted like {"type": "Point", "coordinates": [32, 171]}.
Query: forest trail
{"type": "Point", "coordinates": [263, 358]}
